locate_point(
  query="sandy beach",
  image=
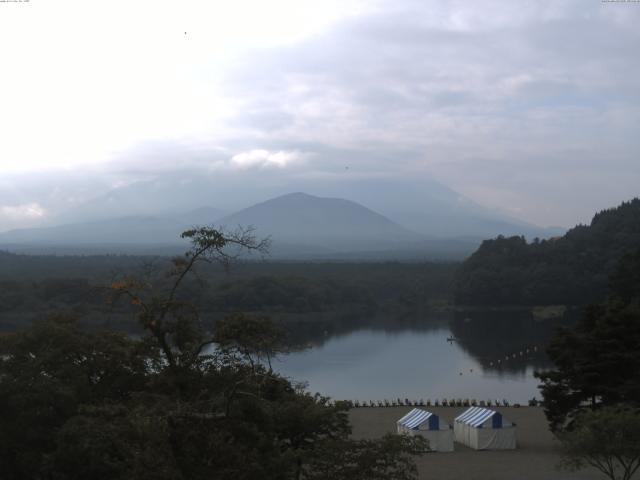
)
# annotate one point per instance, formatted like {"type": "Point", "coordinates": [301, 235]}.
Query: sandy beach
{"type": "Point", "coordinates": [536, 457]}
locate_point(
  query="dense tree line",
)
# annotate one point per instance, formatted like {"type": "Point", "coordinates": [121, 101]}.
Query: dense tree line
{"type": "Point", "coordinates": [48, 294]}
{"type": "Point", "coordinates": [292, 294]}
{"type": "Point", "coordinates": [572, 269]}
{"type": "Point", "coordinates": [24, 267]}
{"type": "Point", "coordinates": [261, 287]}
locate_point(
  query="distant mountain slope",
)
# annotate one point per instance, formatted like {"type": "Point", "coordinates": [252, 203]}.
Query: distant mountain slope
{"type": "Point", "coordinates": [420, 204]}
{"type": "Point", "coordinates": [572, 269]}
{"type": "Point", "coordinates": [302, 227]}
{"type": "Point", "coordinates": [116, 230]}
{"type": "Point", "coordinates": [167, 196]}
{"type": "Point", "coordinates": [327, 223]}
{"type": "Point", "coordinates": [199, 216]}
{"type": "Point", "coordinates": [111, 234]}
{"type": "Point", "coordinates": [429, 207]}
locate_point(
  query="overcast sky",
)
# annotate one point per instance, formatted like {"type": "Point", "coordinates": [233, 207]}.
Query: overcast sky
{"type": "Point", "coordinates": [531, 107]}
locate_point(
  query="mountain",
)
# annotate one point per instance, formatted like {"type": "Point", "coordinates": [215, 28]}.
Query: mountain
{"type": "Point", "coordinates": [125, 230]}
{"type": "Point", "coordinates": [199, 216]}
{"type": "Point", "coordinates": [572, 269]}
{"type": "Point", "coordinates": [131, 235]}
{"type": "Point", "coordinates": [322, 224]}
{"type": "Point", "coordinates": [302, 226]}
{"type": "Point", "coordinates": [422, 205]}
{"type": "Point", "coordinates": [129, 230]}
{"type": "Point", "coordinates": [429, 207]}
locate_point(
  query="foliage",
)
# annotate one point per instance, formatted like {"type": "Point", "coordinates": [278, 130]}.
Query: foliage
{"type": "Point", "coordinates": [572, 269]}
{"type": "Point", "coordinates": [102, 405]}
{"type": "Point", "coordinates": [173, 322]}
{"type": "Point", "coordinates": [607, 439]}
{"type": "Point", "coordinates": [32, 286]}
{"type": "Point", "coordinates": [625, 281]}
{"type": "Point", "coordinates": [253, 338]}
{"type": "Point", "coordinates": [294, 294]}
{"type": "Point", "coordinates": [47, 373]}
{"type": "Point", "coordinates": [597, 362]}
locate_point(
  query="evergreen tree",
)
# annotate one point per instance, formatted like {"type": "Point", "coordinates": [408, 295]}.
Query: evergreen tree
{"type": "Point", "coordinates": [597, 363]}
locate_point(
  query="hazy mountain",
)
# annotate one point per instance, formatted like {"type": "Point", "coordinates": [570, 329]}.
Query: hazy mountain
{"type": "Point", "coordinates": [326, 223]}
{"type": "Point", "coordinates": [118, 230]}
{"type": "Point", "coordinates": [129, 230]}
{"type": "Point", "coordinates": [422, 205]}
{"type": "Point", "coordinates": [165, 196]}
{"type": "Point", "coordinates": [427, 206]}
{"type": "Point", "coordinates": [302, 226]}
{"type": "Point", "coordinates": [199, 216]}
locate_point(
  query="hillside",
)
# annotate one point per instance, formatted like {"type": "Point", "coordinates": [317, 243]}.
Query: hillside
{"type": "Point", "coordinates": [131, 234]}
{"type": "Point", "coordinates": [420, 204]}
{"type": "Point", "coordinates": [322, 224]}
{"type": "Point", "coordinates": [572, 269]}
{"type": "Point", "coordinates": [431, 208]}
{"type": "Point", "coordinates": [301, 226]}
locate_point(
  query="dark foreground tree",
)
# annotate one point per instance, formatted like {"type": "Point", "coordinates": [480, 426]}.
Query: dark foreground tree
{"type": "Point", "coordinates": [78, 405]}
{"type": "Point", "coordinates": [254, 338]}
{"type": "Point", "coordinates": [47, 374]}
{"type": "Point", "coordinates": [597, 363]}
{"type": "Point", "coordinates": [607, 439]}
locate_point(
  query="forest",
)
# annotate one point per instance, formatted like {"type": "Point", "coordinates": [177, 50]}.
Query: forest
{"type": "Point", "coordinates": [568, 270]}
{"type": "Point", "coordinates": [33, 286]}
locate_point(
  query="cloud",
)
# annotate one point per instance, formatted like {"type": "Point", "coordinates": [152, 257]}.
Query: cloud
{"type": "Point", "coordinates": [525, 104]}
{"type": "Point", "coordinates": [260, 158]}
{"type": "Point", "coordinates": [20, 212]}
{"type": "Point", "coordinates": [503, 102]}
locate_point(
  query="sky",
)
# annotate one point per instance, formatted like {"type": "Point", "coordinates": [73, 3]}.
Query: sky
{"type": "Point", "coordinates": [530, 107]}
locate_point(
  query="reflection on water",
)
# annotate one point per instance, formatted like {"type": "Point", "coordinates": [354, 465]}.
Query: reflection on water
{"type": "Point", "coordinates": [415, 358]}
{"type": "Point", "coordinates": [506, 342]}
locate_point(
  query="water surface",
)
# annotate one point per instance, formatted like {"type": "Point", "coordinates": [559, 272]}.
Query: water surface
{"type": "Point", "coordinates": [492, 357]}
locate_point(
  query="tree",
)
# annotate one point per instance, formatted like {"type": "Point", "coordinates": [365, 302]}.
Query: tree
{"type": "Point", "coordinates": [597, 363]}
{"type": "Point", "coordinates": [47, 373]}
{"type": "Point", "coordinates": [569, 270]}
{"type": "Point", "coordinates": [255, 338]}
{"type": "Point", "coordinates": [174, 323]}
{"type": "Point", "coordinates": [607, 439]}
{"type": "Point", "coordinates": [101, 405]}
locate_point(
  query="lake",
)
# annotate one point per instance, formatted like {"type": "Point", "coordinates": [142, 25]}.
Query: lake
{"type": "Point", "coordinates": [494, 355]}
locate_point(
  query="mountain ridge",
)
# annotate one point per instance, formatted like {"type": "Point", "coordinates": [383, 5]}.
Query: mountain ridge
{"type": "Point", "coordinates": [337, 223]}
{"type": "Point", "coordinates": [420, 204]}
{"type": "Point", "coordinates": [301, 225]}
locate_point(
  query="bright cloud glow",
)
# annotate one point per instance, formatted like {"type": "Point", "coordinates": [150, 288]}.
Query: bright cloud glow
{"type": "Point", "coordinates": [83, 81]}
{"type": "Point", "coordinates": [264, 159]}
{"type": "Point", "coordinates": [27, 211]}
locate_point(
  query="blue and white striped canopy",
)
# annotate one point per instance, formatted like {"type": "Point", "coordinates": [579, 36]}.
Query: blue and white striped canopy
{"type": "Point", "coordinates": [476, 416]}
{"type": "Point", "coordinates": [417, 417]}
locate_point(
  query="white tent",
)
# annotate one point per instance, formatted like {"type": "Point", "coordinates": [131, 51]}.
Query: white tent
{"type": "Point", "coordinates": [430, 426]}
{"type": "Point", "coordinates": [484, 429]}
